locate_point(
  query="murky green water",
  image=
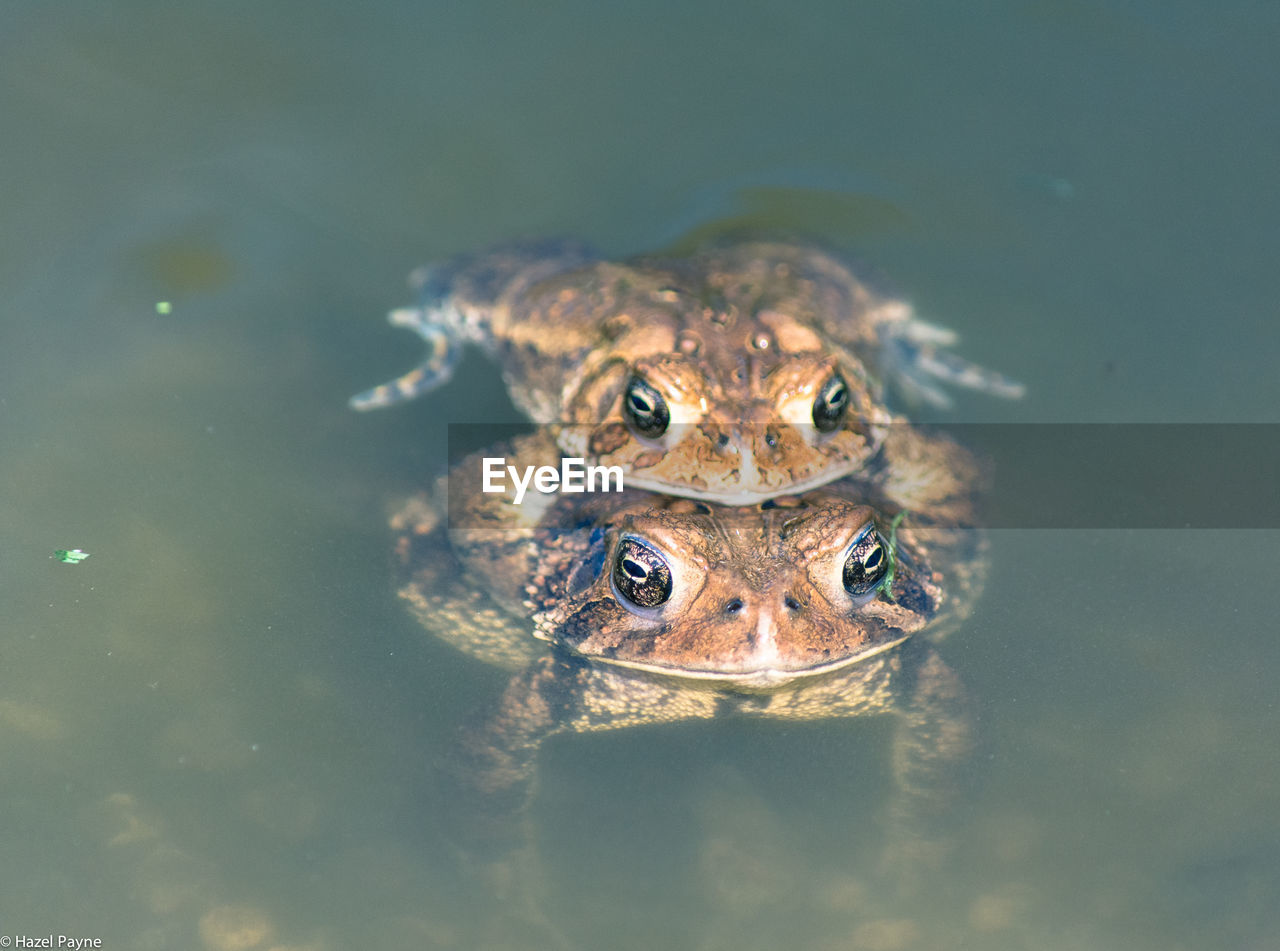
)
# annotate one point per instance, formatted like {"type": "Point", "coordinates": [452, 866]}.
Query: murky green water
{"type": "Point", "coordinates": [226, 706]}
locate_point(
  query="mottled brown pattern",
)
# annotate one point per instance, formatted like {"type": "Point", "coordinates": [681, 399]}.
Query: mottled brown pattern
{"type": "Point", "coordinates": [748, 383]}
{"type": "Point", "coordinates": [506, 576]}
{"type": "Point", "coordinates": [738, 341]}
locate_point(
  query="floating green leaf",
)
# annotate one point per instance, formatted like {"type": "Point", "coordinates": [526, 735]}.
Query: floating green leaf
{"type": "Point", "coordinates": [70, 557]}
{"type": "Point", "coordinates": [886, 587]}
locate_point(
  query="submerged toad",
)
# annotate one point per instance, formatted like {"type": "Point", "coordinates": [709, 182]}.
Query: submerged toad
{"type": "Point", "coordinates": [617, 613]}
{"type": "Point", "coordinates": [731, 375]}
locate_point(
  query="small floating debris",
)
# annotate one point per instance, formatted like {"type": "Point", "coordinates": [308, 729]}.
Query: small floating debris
{"type": "Point", "coordinates": [164, 308]}
{"type": "Point", "coordinates": [1056, 186]}
{"type": "Point", "coordinates": [70, 556]}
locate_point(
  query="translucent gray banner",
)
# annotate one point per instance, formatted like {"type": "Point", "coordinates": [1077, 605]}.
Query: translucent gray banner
{"type": "Point", "coordinates": [1070, 475]}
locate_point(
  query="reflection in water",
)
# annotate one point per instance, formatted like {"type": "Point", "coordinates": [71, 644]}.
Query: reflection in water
{"type": "Point", "coordinates": [217, 731]}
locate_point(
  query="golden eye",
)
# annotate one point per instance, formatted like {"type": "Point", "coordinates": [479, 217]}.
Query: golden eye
{"type": "Point", "coordinates": [645, 410]}
{"type": "Point", "coordinates": [867, 564]}
{"type": "Point", "coordinates": [832, 404]}
{"type": "Point", "coordinates": [640, 574]}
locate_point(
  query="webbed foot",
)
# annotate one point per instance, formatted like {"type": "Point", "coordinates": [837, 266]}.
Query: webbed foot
{"type": "Point", "coordinates": [444, 349]}
{"type": "Point", "coordinates": [916, 361]}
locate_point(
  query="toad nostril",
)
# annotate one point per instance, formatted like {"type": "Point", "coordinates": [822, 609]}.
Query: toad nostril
{"type": "Point", "coordinates": [791, 603]}
{"type": "Point", "coordinates": [722, 441]}
{"type": "Point", "coordinates": [733, 607]}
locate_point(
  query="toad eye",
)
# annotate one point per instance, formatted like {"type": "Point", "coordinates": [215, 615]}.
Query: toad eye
{"type": "Point", "coordinates": [832, 404]}
{"type": "Point", "coordinates": [640, 574]}
{"type": "Point", "coordinates": [645, 409]}
{"type": "Point", "coordinates": [866, 564]}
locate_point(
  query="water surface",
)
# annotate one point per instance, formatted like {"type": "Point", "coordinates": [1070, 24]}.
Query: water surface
{"type": "Point", "coordinates": [226, 707]}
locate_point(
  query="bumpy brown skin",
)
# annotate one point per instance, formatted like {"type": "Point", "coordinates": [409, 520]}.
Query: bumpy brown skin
{"type": "Point", "coordinates": [758, 621]}
{"type": "Point", "coordinates": [757, 597]}
{"type": "Point", "coordinates": [739, 342]}
{"type": "Point", "coordinates": [733, 356]}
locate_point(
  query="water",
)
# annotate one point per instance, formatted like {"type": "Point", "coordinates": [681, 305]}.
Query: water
{"type": "Point", "coordinates": [225, 706]}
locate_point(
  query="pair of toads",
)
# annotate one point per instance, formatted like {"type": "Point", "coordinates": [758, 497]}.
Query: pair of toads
{"type": "Point", "coordinates": [782, 533]}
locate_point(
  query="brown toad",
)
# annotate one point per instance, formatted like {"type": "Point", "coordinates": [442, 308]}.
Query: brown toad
{"type": "Point", "coordinates": [618, 611]}
{"type": "Point", "coordinates": [732, 375]}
